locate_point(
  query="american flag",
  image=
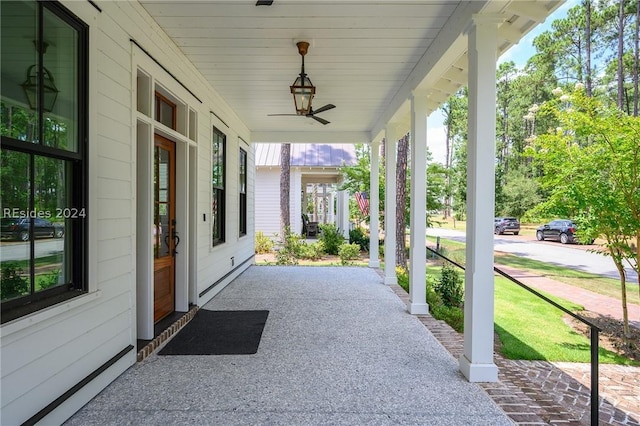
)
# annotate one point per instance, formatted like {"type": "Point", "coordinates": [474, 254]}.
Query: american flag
{"type": "Point", "coordinates": [363, 202]}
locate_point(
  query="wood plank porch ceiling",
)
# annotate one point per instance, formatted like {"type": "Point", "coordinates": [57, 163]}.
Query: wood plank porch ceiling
{"type": "Point", "coordinates": [366, 57]}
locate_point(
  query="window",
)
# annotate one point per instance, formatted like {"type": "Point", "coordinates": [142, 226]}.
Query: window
{"type": "Point", "coordinates": [243, 192]}
{"type": "Point", "coordinates": [43, 157]}
{"type": "Point", "coordinates": [218, 182]}
{"type": "Point", "coordinates": [165, 111]}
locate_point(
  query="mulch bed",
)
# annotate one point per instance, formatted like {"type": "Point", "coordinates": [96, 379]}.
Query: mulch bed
{"type": "Point", "coordinates": [612, 335]}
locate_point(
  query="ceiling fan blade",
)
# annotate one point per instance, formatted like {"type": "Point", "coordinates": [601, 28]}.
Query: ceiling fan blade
{"type": "Point", "coordinates": [323, 108]}
{"type": "Point", "coordinates": [275, 115]}
{"type": "Point", "coordinates": [321, 120]}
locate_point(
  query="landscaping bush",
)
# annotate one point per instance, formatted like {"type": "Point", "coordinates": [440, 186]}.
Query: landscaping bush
{"type": "Point", "coordinates": [449, 287]}
{"type": "Point", "coordinates": [348, 252]}
{"type": "Point", "coordinates": [291, 249]}
{"type": "Point", "coordinates": [313, 251]}
{"type": "Point", "coordinates": [13, 283]}
{"type": "Point", "coordinates": [49, 279]}
{"type": "Point", "coordinates": [358, 236]}
{"type": "Point", "coordinates": [331, 238]}
{"type": "Point", "coordinates": [454, 316]}
{"type": "Point", "coordinates": [263, 244]}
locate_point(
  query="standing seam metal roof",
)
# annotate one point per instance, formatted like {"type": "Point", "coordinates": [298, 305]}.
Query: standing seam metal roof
{"type": "Point", "coordinates": [307, 154]}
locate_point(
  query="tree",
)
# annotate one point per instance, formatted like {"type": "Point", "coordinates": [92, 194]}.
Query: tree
{"type": "Point", "coordinates": [358, 179]}
{"type": "Point", "coordinates": [285, 186]}
{"type": "Point", "coordinates": [401, 201]}
{"type": "Point", "coordinates": [455, 120]}
{"type": "Point", "coordinates": [521, 194]}
{"type": "Point", "coordinates": [591, 165]}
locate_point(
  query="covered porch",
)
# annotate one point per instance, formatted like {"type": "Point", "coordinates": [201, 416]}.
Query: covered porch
{"type": "Point", "coordinates": [338, 347]}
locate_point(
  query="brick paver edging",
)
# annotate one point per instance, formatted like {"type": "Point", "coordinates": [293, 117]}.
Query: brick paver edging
{"type": "Point", "coordinates": [543, 393]}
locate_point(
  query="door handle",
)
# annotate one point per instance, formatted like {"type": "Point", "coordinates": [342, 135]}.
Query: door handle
{"type": "Point", "coordinates": [176, 242]}
{"type": "Point", "coordinates": [175, 236]}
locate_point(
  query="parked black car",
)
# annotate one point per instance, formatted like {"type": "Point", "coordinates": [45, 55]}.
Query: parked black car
{"type": "Point", "coordinates": [506, 224]}
{"type": "Point", "coordinates": [563, 230]}
{"type": "Point", "coordinates": [18, 228]}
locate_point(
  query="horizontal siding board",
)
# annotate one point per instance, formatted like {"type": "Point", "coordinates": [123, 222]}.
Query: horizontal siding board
{"type": "Point", "coordinates": [114, 228]}
{"type": "Point", "coordinates": [114, 209]}
{"type": "Point", "coordinates": [115, 248]}
{"type": "Point", "coordinates": [24, 363]}
{"type": "Point", "coordinates": [114, 189]}
{"type": "Point", "coordinates": [100, 350]}
{"type": "Point", "coordinates": [113, 169]}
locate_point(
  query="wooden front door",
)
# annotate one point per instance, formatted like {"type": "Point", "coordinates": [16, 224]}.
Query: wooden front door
{"type": "Point", "coordinates": [164, 227]}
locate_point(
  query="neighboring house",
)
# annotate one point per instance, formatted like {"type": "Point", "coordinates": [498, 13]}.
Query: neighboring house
{"type": "Point", "coordinates": [314, 187]}
{"type": "Point", "coordinates": [129, 124]}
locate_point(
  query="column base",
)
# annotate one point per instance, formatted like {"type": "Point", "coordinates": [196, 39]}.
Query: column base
{"type": "Point", "coordinates": [374, 264]}
{"type": "Point", "coordinates": [478, 372]}
{"type": "Point", "coordinates": [390, 280]}
{"type": "Point", "coordinates": [418, 308]}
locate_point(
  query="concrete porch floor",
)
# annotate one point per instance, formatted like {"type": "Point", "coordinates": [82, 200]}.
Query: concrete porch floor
{"type": "Point", "coordinates": [338, 348]}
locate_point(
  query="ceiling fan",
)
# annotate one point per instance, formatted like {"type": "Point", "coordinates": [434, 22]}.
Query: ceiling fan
{"type": "Point", "coordinates": [312, 113]}
{"type": "Point", "coordinates": [303, 91]}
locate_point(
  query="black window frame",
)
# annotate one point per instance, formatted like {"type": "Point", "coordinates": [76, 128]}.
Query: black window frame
{"type": "Point", "coordinates": [78, 250]}
{"type": "Point", "coordinates": [218, 192]}
{"type": "Point", "coordinates": [242, 193]}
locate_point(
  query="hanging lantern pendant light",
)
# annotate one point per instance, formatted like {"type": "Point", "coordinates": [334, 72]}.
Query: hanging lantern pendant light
{"type": "Point", "coordinates": [33, 81]}
{"type": "Point", "coordinates": [302, 89]}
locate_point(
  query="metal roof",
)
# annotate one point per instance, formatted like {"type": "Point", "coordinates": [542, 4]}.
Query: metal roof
{"type": "Point", "coordinates": [307, 154]}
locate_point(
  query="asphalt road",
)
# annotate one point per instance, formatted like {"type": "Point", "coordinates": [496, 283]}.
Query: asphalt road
{"type": "Point", "coordinates": [572, 256]}
{"type": "Point", "coordinates": [19, 250]}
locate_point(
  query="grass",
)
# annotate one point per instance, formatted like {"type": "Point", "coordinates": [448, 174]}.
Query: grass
{"type": "Point", "coordinates": [595, 283]}
{"type": "Point", "coordinates": [531, 329]}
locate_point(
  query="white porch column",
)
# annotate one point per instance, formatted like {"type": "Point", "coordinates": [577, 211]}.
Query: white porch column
{"type": "Point", "coordinates": [343, 212]}
{"type": "Point", "coordinates": [476, 361]}
{"type": "Point", "coordinates": [418, 220]}
{"type": "Point", "coordinates": [392, 134]}
{"type": "Point", "coordinates": [330, 210]}
{"type": "Point", "coordinates": [374, 206]}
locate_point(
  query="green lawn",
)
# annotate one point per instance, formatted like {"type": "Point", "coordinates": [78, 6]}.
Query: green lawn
{"type": "Point", "coordinates": [601, 285]}
{"type": "Point", "coordinates": [531, 329]}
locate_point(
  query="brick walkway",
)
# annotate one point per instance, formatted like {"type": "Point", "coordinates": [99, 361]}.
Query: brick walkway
{"type": "Point", "coordinates": [545, 393]}
{"type": "Point", "coordinates": [591, 301]}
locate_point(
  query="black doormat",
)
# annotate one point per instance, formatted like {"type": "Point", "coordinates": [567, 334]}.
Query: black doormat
{"type": "Point", "coordinates": [219, 333]}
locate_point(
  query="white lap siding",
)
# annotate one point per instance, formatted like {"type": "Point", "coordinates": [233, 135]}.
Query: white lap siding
{"type": "Point", "coordinates": [47, 353]}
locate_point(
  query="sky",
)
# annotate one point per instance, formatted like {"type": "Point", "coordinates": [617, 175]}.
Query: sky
{"type": "Point", "coordinates": [519, 53]}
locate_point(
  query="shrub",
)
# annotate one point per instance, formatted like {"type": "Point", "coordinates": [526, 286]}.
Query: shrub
{"type": "Point", "coordinates": [12, 282]}
{"type": "Point", "coordinates": [313, 251]}
{"type": "Point", "coordinates": [449, 287]}
{"type": "Point", "coordinates": [454, 316]}
{"type": "Point", "coordinates": [403, 278]}
{"type": "Point", "coordinates": [49, 279]}
{"type": "Point", "coordinates": [291, 249]}
{"type": "Point", "coordinates": [348, 252]}
{"type": "Point", "coordinates": [263, 244]}
{"type": "Point", "coordinates": [331, 238]}
{"type": "Point", "coordinates": [358, 236]}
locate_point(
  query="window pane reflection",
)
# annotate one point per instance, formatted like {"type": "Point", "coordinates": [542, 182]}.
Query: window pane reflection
{"type": "Point", "coordinates": [60, 58]}
{"type": "Point", "coordinates": [15, 258]}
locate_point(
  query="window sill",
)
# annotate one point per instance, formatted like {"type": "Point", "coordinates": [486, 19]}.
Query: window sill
{"type": "Point", "coordinates": [46, 314]}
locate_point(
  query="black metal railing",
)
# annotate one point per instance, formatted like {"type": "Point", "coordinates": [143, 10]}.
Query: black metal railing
{"type": "Point", "coordinates": [594, 332]}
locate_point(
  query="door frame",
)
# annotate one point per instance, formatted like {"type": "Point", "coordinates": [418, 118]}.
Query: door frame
{"type": "Point", "coordinates": [185, 278]}
{"type": "Point", "coordinates": [169, 260]}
